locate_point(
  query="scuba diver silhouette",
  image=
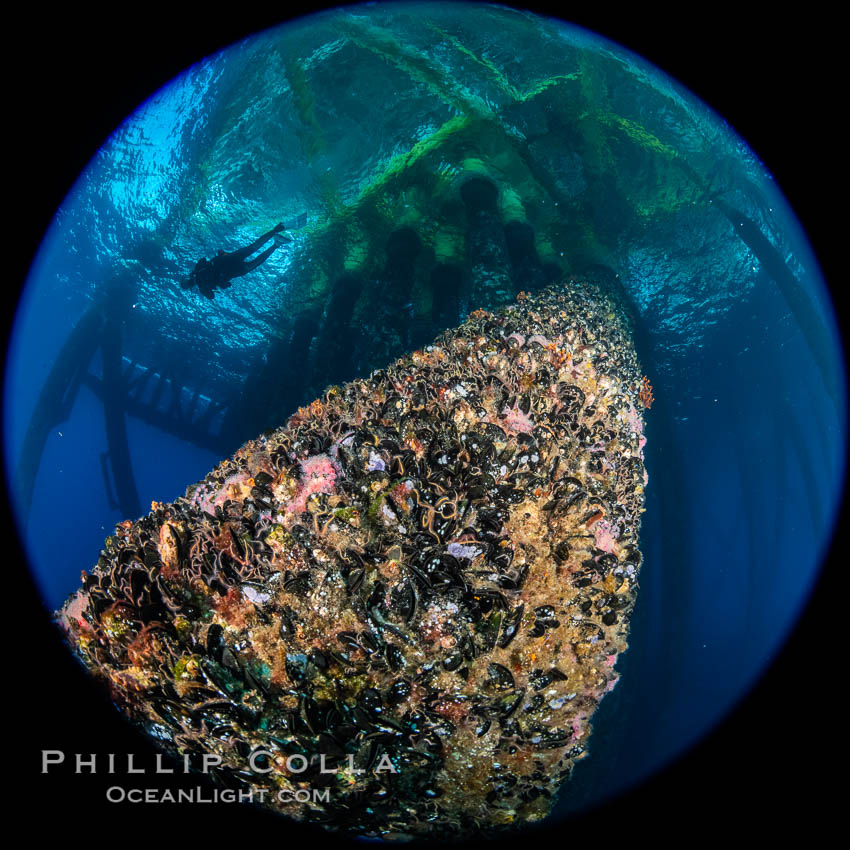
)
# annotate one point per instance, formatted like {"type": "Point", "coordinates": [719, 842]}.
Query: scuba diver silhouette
{"type": "Point", "coordinates": [218, 273]}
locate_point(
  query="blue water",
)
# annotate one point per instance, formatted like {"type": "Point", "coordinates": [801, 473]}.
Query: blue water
{"type": "Point", "coordinates": [746, 438]}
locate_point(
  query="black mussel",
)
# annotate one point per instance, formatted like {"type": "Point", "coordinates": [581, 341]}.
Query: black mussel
{"type": "Point", "coordinates": [554, 738]}
{"type": "Point", "coordinates": [151, 555]}
{"type": "Point", "coordinates": [453, 661]}
{"type": "Point", "coordinates": [362, 718]}
{"type": "Point", "coordinates": [215, 642]}
{"type": "Point", "coordinates": [368, 642]}
{"type": "Point", "coordinates": [297, 583]}
{"type": "Point", "coordinates": [354, 579]}
{"type": "Point", "coordinates": [482, 727]}
{"type": "Point", "coordinates": [395, 657]}
{"type": "Point", "coordinates": [318, 659]}
{"type": "Point", "coordinates": [348, 639]}
{"type": "Point", "coordinates": [606, 562]}
{"type": "Point", "coordinates": [311, 713]}
{"type": "Point", "coordinates": [489, 599]}
{"type": "Point", "coordinates": [398, 691]}
{"type": "Point", "coordinates": [572, 396]}
{"type": "Point", "coordinates": [492, 519]}
{"type": "Point", "coordinates": [510, 626]}
{"type": "Point", "coordinates": [287, 623]}
{"type": "Point", "coordinates": [488, 630]}
{"type": "Point", "coordinates": [128, 556]}
{"type": "Point", "coordinates": [505, 706]}
{"type": "Point", "coordinates": [513, 579]}
{"type": "Point", "coordinates": [499, 677]}
{"type": "Point", "coordinates": [503, 558]}
{"type": "Point", "coordinates": [494, 433]}
{"type": "Point", "coordinates": [370, 699]}
{"type": "Point", "coordinates": [329, 746]}
{"type": "Point", "coordinates": [156, 615]}
{"type": "Point", "coordinates": [403, 600]}
{"type": "Point", "coordinates": [561, 552]}
{"type": "Point", "coordinates": [534, 704]}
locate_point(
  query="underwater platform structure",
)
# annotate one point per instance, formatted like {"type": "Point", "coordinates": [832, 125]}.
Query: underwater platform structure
{"type": "Point", "coordinates": [504, 196]}
{"type": "Point", "coordinates": [408, 208]}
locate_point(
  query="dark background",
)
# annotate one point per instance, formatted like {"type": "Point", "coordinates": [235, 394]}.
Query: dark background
{"type": "Point", "coordinates": [74, 75]}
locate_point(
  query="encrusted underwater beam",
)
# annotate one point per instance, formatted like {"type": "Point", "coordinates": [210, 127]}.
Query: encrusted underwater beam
{"type": "Point", "coordinates": [413, 595]}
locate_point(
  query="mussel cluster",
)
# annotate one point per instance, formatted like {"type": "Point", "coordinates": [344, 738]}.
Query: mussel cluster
{"type": "Point", "coordinates": [420, 585]}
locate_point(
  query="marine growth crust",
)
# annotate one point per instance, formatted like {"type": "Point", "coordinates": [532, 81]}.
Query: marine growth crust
{"type": "Point", "coordinates": [413, 595]}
